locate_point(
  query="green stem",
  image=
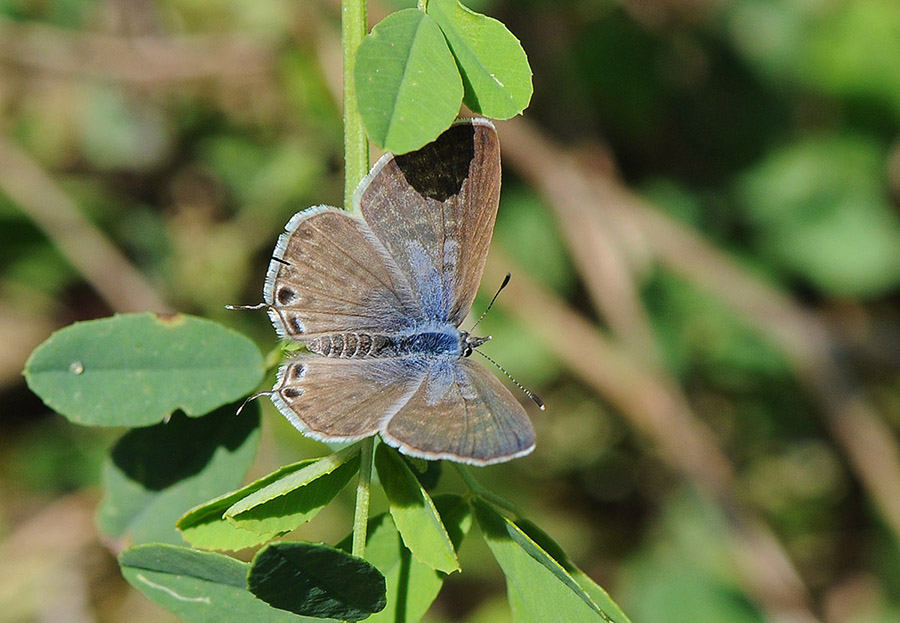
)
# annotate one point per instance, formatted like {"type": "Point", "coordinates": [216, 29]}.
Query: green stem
{"type": "Point", "coordinates": [361, 516]}
{"type": "Point", "coordinates": [354, 25]}
{"type": "Point", "coordinates": [476, 488]}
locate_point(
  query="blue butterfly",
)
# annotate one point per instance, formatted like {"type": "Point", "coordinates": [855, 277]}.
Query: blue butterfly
{"type": "Point", "coordinates": [378, 303]}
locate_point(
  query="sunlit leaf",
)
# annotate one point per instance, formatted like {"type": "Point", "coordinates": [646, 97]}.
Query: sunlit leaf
{"type": "Point", "coordinates": [323, 481]}
{"type": "Point", "coordinates": [295, 497]}
{"type": "Point", "coordinates": [494, 67]}
{"type": "Point", "coordinates": [539, 588]}
{"type": "Point", "coordinates": [206, 527]}
{"type": "Point", "coordinates": [407, 82]}
{"type": "Point", "coordinates": [594, 590]}
{"type": "Point", "coordinates": [135, 369]}
{"type": "Point", "coordinates": [414, 513]}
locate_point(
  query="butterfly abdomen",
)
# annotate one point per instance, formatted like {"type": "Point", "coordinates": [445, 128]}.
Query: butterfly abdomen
{"type": "Point", "coordinates": [348, 345]}
{"type": "Point", "coordinates": [368, 346]}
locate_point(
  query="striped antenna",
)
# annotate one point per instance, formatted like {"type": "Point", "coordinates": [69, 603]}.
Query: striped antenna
{"type": "Point", "coordinates": [491, 304]}
{"type": "Point", "coordinates": [537, 400]}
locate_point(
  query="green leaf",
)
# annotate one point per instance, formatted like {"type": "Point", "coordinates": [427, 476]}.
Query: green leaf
{"type": "Point", "coordinates": [296, 497]}
{"type": "Point", "coordinates": [198, 587]}
{"type": "Point", "coordinates": [494, 67]}
{"type": "Point", "coordinates": [539, 588]}
{"type": "Point", "coordinates": [206, 527]}
{"type": "Point", "coordinates": [316, 580]}
{"type": "Point", "coordinates": [135, 369]}
{"type": "Point", "coordinates": [155, 474]}
{"type": "Point", "coordinates": [414, 513]}
{"type": "Point", "coordinates": [407, 83]}
{"type": "Point", "coordinates": [596, 592]}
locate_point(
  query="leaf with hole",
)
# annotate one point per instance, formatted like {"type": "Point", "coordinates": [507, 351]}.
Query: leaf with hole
{"type": "Point", "coordinates": [136, 369]}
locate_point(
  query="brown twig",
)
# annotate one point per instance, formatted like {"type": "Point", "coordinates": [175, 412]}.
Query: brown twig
{"type": "Point", "coordinates": [110, 273]}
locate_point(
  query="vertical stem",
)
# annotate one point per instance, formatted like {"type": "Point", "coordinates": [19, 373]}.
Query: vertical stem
{"type": "Point", "coordinates": [361, 516]}
{"type": "Point", "coordinates": [354, 25]}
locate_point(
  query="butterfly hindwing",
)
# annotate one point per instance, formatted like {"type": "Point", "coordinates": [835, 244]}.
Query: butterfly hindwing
{"type": "Point", "coordinates": [434, 212]}
{"type": "Point", "coordinates": [461, 412]}
{"type": "Point", "coordinates": [334, 399]}
{"type": "Point", "coordinates": [330, 274]}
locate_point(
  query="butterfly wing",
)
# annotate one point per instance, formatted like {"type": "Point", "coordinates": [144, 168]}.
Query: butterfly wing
{"type": "Point", "coordinates": [344, 399]}
{"type": "Point", "coordinates": [462, 412]}
{"type": "Point", "coordinates": [329, 273]}
{"type": "Point", "coordinates": [434, 211]}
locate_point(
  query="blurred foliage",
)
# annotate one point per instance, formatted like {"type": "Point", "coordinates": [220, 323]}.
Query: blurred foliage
{"type": "Point", "coordinates": [769, 127]}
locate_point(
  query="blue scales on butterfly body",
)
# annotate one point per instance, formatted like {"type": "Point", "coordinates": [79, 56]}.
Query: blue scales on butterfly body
{"type": "Point", "coordinates": [448, 344]}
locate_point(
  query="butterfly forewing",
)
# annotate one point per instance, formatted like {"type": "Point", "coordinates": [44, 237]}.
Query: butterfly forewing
{"type": "Point", "coordinates": [434, 211]}
{"type": "Point", "coordinates": [330, 274]}
{"type": "Point", "coordinates": [461, 412]}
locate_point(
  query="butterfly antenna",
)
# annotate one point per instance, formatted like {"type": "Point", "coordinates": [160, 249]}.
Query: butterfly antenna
{"type": "Point", "coordinates": [537, 400]}
{"type": "Point", "coordinates": [491, 304]}
{"type": "Point", "coordinates": [249, 398]}
{"type": "Point", "coordinates": [247, 307]}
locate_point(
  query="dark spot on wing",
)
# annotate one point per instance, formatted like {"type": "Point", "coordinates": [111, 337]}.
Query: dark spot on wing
{"type": "Point", "coordinates": [295, 325]}
{"type": "Point", "coordinates": [439, 169]}
{"type": "Point", "coordinates": [280, 261]}
{"type": "Point", "coordinates": [286, 295]}
{"type": "Point", "coordinates": [291, 392]}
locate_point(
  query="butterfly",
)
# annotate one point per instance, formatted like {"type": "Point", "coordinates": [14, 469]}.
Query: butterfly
{"type": "Point", "coordinates": [378, 301]}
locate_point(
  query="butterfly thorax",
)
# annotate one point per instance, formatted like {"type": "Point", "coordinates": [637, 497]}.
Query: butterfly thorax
{"type": "Point", "coordinates": [451, 343]}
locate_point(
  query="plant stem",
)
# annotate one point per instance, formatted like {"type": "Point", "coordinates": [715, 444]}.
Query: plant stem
{"type": "Point", "coordinates": [476, 488]}
{"type": "Point", "coordinates": [361, 516]}
{"type": "Point", "coordinates": [354, 25]}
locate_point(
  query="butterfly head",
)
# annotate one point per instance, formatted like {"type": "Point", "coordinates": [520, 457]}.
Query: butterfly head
{"type": "Point", "coordinates": [468, 343]}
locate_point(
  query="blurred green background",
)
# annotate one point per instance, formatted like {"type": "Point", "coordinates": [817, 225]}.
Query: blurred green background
{"type": "Point", "coordinates": [700, 213]}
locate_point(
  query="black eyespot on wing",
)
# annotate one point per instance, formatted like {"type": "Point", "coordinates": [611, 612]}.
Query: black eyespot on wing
{"type": "Point", "coordinates": [438, 170]}
{"type": "Point", "coordinates": [291, 392]}
{"type": "Point", "coordinates": [295, 324]}
{"type": "Point", "coordinates": [286, 295]}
